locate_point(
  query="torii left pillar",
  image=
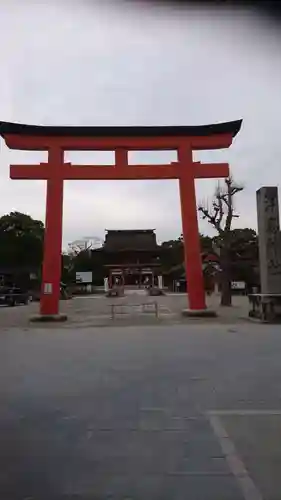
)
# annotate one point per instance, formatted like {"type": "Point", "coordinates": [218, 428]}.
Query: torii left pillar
{"type": "Point", "coordinates": [192, 253]}
{"type": "Point", "coordinates": [51, 272]}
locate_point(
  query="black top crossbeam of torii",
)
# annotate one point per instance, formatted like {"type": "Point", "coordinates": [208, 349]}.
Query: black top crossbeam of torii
{"type": "Point", "coordinates": [232, 127]}
{"type": "Point", "coordinates": [212, 136]}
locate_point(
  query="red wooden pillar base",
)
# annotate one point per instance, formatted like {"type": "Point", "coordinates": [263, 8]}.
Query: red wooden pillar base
{"type": "Point", "coordinates": [51, 275]}
{"type": "Point", "coordinates": [192, 250]}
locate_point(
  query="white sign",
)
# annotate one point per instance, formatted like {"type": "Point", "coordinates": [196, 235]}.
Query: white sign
{"type": "Point", "coordinates": [48, 288]}
{"type": "Point", "coordinates": [84, 277]}
{"type": "Point", "coordinates": [160, 282]}
{"type": "Point", "coordinates": [238, 285]}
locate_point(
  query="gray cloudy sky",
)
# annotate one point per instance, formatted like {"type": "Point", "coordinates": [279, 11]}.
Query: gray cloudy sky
{"type": "Point", "coordinates": [96, 63]}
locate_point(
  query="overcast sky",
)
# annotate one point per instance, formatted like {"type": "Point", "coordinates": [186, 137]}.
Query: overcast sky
{"type": "Point", "coordinates": [98, 63]}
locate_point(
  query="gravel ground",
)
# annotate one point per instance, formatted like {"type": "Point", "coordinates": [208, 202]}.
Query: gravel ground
{"type": "Point", "coordinates": [96, 311]}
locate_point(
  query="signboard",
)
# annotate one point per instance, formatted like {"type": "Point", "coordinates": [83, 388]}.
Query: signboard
{"type": "Point", "coordinates": [146, 271]}
{"type": "Point", "coordinates": [238, 285]}
{"type": "Point", "coordinates": [106, 285]}
{"type": "Point", "coordinates": [84, 277]}
{"type": "Point", "coordinates": [48, 288]}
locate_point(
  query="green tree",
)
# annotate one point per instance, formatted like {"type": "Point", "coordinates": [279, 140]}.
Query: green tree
{"type": "Point", "coordinates": [21, 241]}
{"type": "Point", "coordinates": [206, 243]}
{"type": "Point", "coordinates": [244, 256]}
{"type": "Point", "coordinates": [173, 252]}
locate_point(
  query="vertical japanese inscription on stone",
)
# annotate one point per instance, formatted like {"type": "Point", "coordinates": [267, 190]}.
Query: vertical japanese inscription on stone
{"type": "Point", "coordinates": [269, 239]}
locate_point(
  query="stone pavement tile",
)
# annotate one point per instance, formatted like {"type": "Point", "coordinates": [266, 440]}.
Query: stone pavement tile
{"type": "Point", "coordinates": [255, 433]}
{"type": "Point", "coordinates": [158, 487]}
{"type": "Point", "coordinates": [266, 475]}
{"type": "Point", "coordinates": [257, 442]}
{"type": "Point", "coordinates": [161, 419]}
{"type": "Point", "coordinates": [147, 452]}
{"type": "Point", "coordinates": [201, 446]}
{"type": "Point", "coordinates": [122, 487]}
{"type": "Point", "coordinates": [204, 488]}
{"type": "Point", "coordinates": [202, 466]}
{"type": "Point", "coordinates": [106, 462]}
{"type": "Point", "coordinates": [170, 419]}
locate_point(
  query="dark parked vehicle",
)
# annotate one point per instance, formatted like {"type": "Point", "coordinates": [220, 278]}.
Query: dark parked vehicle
{"type": "Point", "coordinates": [10, 296]}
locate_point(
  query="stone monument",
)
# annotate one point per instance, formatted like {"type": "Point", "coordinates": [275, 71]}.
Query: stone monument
{"type": "Point", "coordinates": [106, 285]}
{"type": "Point", "coordinates": [160, 282]}
{"type": "Point", "coordinates": [269, 240]}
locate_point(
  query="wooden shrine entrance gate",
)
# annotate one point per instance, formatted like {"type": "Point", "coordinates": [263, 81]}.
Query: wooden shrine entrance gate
{"type": "Point", "coordinates": [121, 140]}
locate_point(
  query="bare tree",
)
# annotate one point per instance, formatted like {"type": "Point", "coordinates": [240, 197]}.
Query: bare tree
{"type": "Point", "coordinates": [85, 244]}
{"type": "Point", "coordinates": [220, 215]}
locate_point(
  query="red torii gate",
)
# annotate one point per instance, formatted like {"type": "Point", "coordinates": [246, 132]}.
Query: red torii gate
{"type": "Point", "coordinates": [57, 139]}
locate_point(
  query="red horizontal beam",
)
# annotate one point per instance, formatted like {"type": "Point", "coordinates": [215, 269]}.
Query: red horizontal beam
{"type": "Point", "coordinates": [130, 172]}
{"type": "Point", "coordinates": [211, 170]}
{"type": "Point", "coordinates": [93, 143]}
{"type": "Point", "coordinates": [29, 172]}
{"type": "Point", "coordinates": [96, 172]}
{"type": "Point", "coordinates": [109, 172]}
{"type": "Point", "coordinates": [25, 142]}
{"type": "Point", "coordinates": [220, 141]}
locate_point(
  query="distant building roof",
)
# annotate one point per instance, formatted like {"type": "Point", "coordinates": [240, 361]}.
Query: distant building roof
{"type": "Point", "coordinates": [132, 231]}
{"type": "Point", "coordinates": [130, 239]}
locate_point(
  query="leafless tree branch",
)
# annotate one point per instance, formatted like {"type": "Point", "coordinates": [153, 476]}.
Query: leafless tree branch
{"type": "Point", "coordinates": [221, 214]}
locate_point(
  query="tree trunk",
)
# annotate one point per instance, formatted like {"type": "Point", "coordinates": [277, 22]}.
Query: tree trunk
{"type": "Point", "coordinates": [226, 296]}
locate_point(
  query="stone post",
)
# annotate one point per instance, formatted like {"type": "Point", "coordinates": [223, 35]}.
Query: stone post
{"type": "Point", "coordinates": [269, 239]}
{"type": "Point", "coordinates": [160, 282]}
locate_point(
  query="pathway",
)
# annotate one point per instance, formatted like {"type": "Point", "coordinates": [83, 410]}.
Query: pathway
{"type": "Point", "coordinates": [172, 412]}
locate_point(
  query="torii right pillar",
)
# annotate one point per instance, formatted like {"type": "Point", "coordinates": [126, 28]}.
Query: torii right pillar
{"type": "Point", "coordinates": [188, 172]}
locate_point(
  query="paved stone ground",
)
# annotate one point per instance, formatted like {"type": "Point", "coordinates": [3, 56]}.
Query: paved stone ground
{"type": "Point", "coordinates": [96, 311]}
{"type": "Point", "coordinates": [177, 412]}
